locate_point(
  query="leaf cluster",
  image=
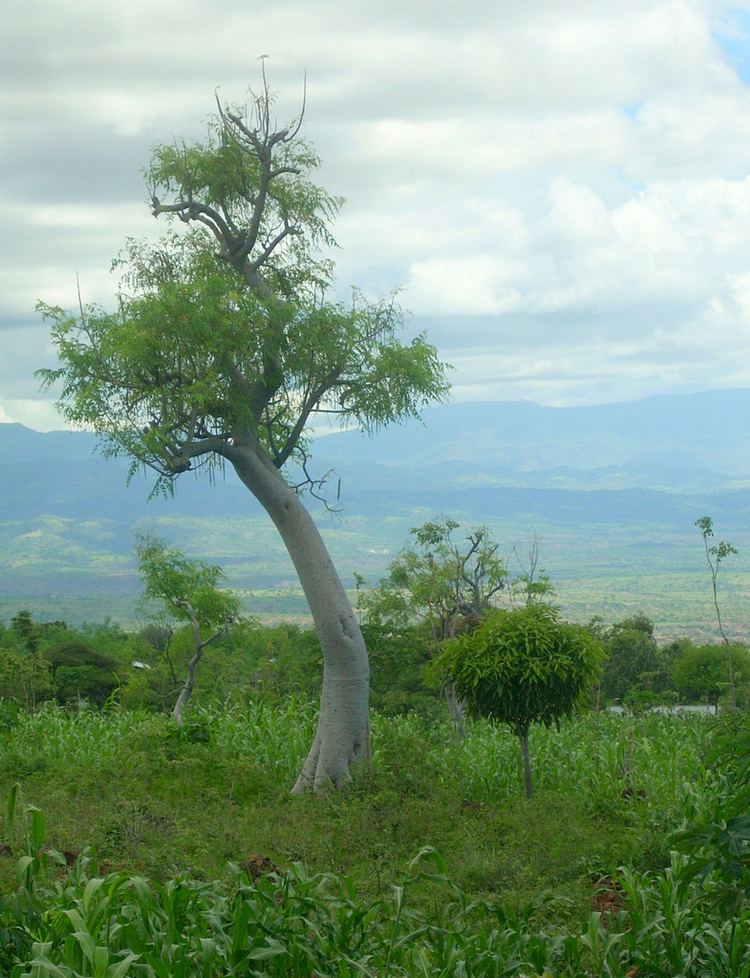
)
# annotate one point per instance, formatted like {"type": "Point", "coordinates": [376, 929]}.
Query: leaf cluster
{"type": "Point", "coordinates": [222, 334]}
{"type": "Point", "coordinates": [187, 589]}
{"type": "Point", "coordinates": [524, 666]}
{"type": "Point", "coordinates": [442, 581]}
{"type": "Point", "coordinates": [701, 672]}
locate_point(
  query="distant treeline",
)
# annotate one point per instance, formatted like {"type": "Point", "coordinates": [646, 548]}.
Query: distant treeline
{"type": "Point", "coordinates": [102, 664]}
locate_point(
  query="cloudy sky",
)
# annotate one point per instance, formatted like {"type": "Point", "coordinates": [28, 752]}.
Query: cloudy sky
{"type": "Point", "coordinates": [561, 188]}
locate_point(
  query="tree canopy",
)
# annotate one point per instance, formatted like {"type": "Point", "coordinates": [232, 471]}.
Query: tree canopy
{"type": "Point", "coordinates": [522, 667]}
{"type": "Point", "coordinates": [226, 332]}
{"type": "Point", "coordinates": [188, 591]}
{"type": "Point", "coordinates": [440, 581]}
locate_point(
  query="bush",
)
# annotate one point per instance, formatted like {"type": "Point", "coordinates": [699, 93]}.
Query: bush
{"type": "Point", "coordinates": [701, 672]}
{"type": "Point", "coordinates": [523, 667]}
{"type": "Point", "coordinates": [24, 677]}
{"type": "Point", "coordinates": [80, 672]}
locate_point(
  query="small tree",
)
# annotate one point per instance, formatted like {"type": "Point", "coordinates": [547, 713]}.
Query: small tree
{"type": "Point", "coordinates": [522, 667]}
{"type": "Point", "coordinates": [442, 583]}
{"type": "Point", "coordinates": [714, 556]}
{"type": "Point", "coordinates": [533, 585]}
{"type": "Point", "coordinates": [24, 677]}
{"type": "Point", "coordinates": [632, 654]}
{"type": "Point", "coordinates": [188, 592]}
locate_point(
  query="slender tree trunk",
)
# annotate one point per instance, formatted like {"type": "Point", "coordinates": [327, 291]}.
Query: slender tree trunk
{"type": "Point", "coordinates": [523, 739]}
{"type": "Point", "coordinates": [730, 655]}
{"type": "Point", "coordinates": [185, 694]}
{"type": "Point", "coordinates": [188, 686]}
{"type": "Point", "coordinates": [456, 710]}
{"type": "Point", "coordinates": [341, 739]}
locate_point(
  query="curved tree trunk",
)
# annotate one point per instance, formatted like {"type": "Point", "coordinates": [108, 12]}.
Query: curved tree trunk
{"type": "Point", "coordinates": [189, 685]}
{"type": "Point", "coordinates": [342, 734]}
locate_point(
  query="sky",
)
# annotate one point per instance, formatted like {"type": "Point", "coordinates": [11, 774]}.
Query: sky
{"type": "Point", "coordinates": [560, 189]}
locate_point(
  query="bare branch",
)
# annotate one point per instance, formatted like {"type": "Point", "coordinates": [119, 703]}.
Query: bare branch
{"type": "Point", "coordinates": [191, 210]}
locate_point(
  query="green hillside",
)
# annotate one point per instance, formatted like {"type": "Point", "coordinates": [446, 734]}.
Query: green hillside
{"type": "Point", "coordinates": [615, 522]}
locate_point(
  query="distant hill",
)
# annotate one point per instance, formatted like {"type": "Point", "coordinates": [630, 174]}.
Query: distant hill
{"type": "Point", "coordinates": [613, 490]}
{"type": "Point", "coordinates": [677, 442]}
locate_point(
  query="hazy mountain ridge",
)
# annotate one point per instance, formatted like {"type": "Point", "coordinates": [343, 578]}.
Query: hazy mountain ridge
{"type": "Point", "coordinates": [680, 443]}
{"type": "Point", "coordinates": [653, 443]}
{"type": "Point", "coordinates": [613, 495]}
{"type": "Point", "coordinates": [677, 442]}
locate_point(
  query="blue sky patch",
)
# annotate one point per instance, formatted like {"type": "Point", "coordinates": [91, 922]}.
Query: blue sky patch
{"type": "Point", "coordinates": [632, 110]}
{"type": "Point", "coordinates": [733, 37]}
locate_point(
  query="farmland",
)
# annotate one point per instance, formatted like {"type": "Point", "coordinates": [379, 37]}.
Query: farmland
{"type": "Point", "coordinates": [431, 859]}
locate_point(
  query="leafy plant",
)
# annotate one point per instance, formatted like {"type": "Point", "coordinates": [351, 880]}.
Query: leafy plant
{"type": "Point", "coordinates": [188, 591]}
{"type": "Point", "coordinates": [715, 554]}
{"type": "Point", "coordinates": [716, 838]}
{"type": "Point", "coordinates": [523, 667]}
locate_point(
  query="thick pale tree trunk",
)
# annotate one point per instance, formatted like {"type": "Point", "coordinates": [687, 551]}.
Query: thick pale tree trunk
{"type": "Point", "coordinates": [341, 739]}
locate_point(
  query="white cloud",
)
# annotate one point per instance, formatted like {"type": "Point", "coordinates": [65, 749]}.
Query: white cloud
{"type": "Point", "coordinates": [567, 181]}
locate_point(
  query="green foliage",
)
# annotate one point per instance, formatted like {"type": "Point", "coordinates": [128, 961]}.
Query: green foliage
{"type": "Point", "coordinates": [714, 556]}
{"type": "Point", "coordinates": [533, 585]}
{"type": "Point", "coordinates": [81, 672]}
{"type": "Point", "coordinates": [29, 633]}
{"type": "Point", "coordinates": [399, 658]}
{"type": "Point", "coordinates": [208, 349]}
{"type": "Point", "coordinates": [24, 677]}
{"type": "Point", "coordinates": [520, 891]}
{"type": "Point", "coordinates": [271, 661]}
{"type": "Point", "coordinates": [718, 551]}
{"type": "Point", "coordinates": [701, 672]}
{"type": "Point", "coordinates": [522, 667]}
{"type": "Point", "coordinates": [187, 589]}
{"type": "Point", "coordinates": [291, 923]}
{"type": "Point", "coordinates": [716, 838]}
{"type": "Point", "coordinates": [632, 659]}
{"type": "Point", "coordinates": [188, 592]}
{"type": "Point", "coordinates": [440, 582]}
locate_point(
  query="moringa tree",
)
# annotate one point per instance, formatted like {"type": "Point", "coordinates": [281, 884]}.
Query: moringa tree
{"type": "Point", "coordinates": [189, 593]}
{"type": "Point", "coordinates": [715, 554]}
{"type": "Point", "coordinates": [223, 347]}
{"type": "Point", "coordinates": [442, 583]}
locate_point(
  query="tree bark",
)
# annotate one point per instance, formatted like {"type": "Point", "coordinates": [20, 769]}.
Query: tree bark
{"type": "Point", "coordinates": [189, 685]}
{"type": "Point", "coordinates": [456, 710]}
{"type": "Point", "coordinates": [523, 739]}
{"type": "Point", "coordinates": [341, 739]}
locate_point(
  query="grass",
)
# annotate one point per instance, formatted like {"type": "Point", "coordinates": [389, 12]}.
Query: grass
{"type": "Point", "coordinates": [153, 798]}
{"type": "Point", "coordinates": [200, 863]}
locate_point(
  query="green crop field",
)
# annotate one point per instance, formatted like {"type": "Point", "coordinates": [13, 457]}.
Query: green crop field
{"type": "Point", "coordinates": [189, 857]}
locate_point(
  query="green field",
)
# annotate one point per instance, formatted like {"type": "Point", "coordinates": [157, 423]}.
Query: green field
{"type": "Point", "coordinates": [84, 571]}
{"type": "Point", "coordinates": [431, 864]}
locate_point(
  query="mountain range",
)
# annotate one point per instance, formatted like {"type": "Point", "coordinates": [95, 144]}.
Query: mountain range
{"type": "Point", "coordinates": [611, 488]}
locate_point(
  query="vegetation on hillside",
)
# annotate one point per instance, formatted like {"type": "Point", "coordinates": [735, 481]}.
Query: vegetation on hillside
{"type": "Point", "coordinates": [200, 863]}
{"type": "Point", "coordinates": [195, 860]}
